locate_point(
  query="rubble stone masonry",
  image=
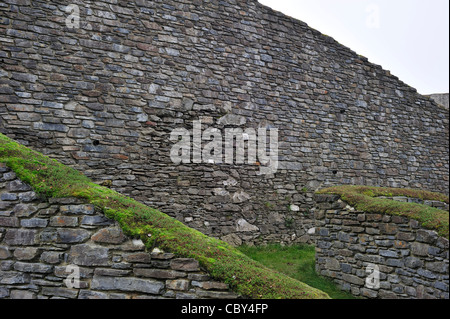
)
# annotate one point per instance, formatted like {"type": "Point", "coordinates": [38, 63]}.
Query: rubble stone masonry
{"type": "Point", "coordinates": [103, 94]}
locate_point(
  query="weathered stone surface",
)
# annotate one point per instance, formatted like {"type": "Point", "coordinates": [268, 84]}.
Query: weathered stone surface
{"type": "Point", "coordinates": [9, 221]}
{"type": "Point", "coordinates": [50, 257]}
{"type": "Point", "coordinates": [20, 237]}
{"type": "Point", "coordinates": [185, 264]}
{"type": "Point", "coordinates": [27, 253]}
{"type": "Point", "coordinates": [112, 235]}
{"type": "Point", "coordinates": [179, 284]}
{"type": "Point", "coordinates": [244, 226]}
{"type": "Point", "coordinates": [4, 252]}
{"type": "Point", "coordinates": [24, 210]}
{"type": "Point", "coordinates": [33, 267]}
{"type": "Point", "coordinates": [127, 284]}
{"type": "Point", "coordinates": [63, 221]}
{"type": "Point", "coordinates": [89, 255]}
{"type": "Point", "coordinates": [96, 220]}
{"type": "Point", "coordinates": [11, 278]}
{"type": "Point", "coordinates": [60, 292]}
{"type": "Point", "coordinates": [72, 236]}
{"type": "Point", "coordinates": [77, 209]}
{"type": "Point", "coordinates": [159, 273]}
{"type": "Point", "coordinates": [34, 223]}
{"type": "Point", "coordinates": [138, 258]}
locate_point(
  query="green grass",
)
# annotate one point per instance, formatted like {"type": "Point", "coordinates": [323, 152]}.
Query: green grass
{"type": "Point", "coordinates": [245, 276]}
{"type": "Point", "coordinates": [298, 262]}
{"type": "Point", "coordinates": [367, 199]}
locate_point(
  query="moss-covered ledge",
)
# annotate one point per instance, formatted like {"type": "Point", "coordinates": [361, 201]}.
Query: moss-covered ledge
{"type": "Point", "coordinates": [224, 263]}
{"type": "Point", "coordinates": [368, 199]}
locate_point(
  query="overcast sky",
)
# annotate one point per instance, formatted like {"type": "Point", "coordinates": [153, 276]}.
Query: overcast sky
{"type": "Point", "coordinates": [410, 38]}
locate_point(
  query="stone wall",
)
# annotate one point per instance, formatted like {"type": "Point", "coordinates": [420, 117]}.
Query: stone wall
{"type": "Point", "coordinates": [45, 244]}
{"type": "Point", "coordinates": [105, 97]}
{"type": "Point", "coordinates": [412, 261]}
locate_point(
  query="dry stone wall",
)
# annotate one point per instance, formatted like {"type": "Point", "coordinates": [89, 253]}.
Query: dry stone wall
{"type": "Point", "coordinates": [412, 262]}
{"type": "Point", "coordinates": [66, 249]}
{"type": "Point", "coordinates": [103, 96]}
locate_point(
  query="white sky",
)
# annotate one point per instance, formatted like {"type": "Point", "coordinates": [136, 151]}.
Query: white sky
{"type": "Point", "coordinates": [408, 37]}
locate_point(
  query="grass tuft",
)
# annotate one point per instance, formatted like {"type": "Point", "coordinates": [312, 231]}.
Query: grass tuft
{"type": "Point", "coordinates": [296, 261]}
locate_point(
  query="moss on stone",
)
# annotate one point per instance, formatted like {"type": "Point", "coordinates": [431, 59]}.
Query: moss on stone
{"type": "Point", "coordinates": [367, 198]}
{"type": "Point", "coordinates": [246, 277]}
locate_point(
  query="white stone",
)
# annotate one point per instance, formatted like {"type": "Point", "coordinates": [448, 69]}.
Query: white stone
{"type": "Point", "coordinates": [156, 250]}
{"type": "Point", "coordinates": [240, 197]}
{"type": "Point", "coordinates": [245, 226]}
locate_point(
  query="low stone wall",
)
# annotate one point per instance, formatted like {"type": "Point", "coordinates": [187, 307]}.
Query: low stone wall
{"type": "Point", "coordinates": [64, 248]}
{"type": "Point", "coordinates": [412, 262]}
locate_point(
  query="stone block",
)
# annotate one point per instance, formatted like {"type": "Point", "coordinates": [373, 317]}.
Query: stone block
{"type": "Point", "coordinates": [12, 278]}
{"type": "Point", "coordinates": [77, 209]}
{"type": "Point", "coordinates": [388, 229]}
{"type": "Point", "coordinates": [8, 197]}
{"type": "Point", "coordinates": [9, 222]}
{"type": "Point", "coordinates": [158, 273]}
{"type": "Point", "coordinates": [413, 262]}
{"type": "Point", "coordinates": [52, 257]}
{"type": "Point", "coordinates": [64, 221]}
{"type": "Point", "coordinates": [127, 284]}
{"type": "Point", "coordinates": [89, 255]}
{"type": "Point", "coordinates": [72, 236]}
{"type": "Point", "coordinates": [21, 237]}
{"type": "Point", "coordinates": [111, 272]}
{"type": "Point", "coordinates": [178, 284]}
{"type": "Point", "coordinates": [87, 294]}
{"type": "Point", "coordinates": [111, 235]}
{"type": "Point", "coordinates": [369, 293]}
{"type": "Point", "coordinates": [353, 279]}
{"type": "Point", "coordinates": [185, 264]}
{"type": "Point", "coordinates": [33, 268]}
{"type": "Point", "coordinates": [419, 249]}
{"type": "Point", "coordinates": [138, 258]}
{"type": "Point", "coordinates": [60, 292]}
{"type": "Point", "coordinates": [27, 197]}
{"type": "Point", "coordinates": [427, 236]}
{"type": "Point", "coordinates": [24, 210]}
{"type": "Point", "coordinates": [96, 220]}
{"type": "Point", "coordinates": [4, 252]}
{"type": "Point", "coordinates": [34, 223]}
{"type": "Point", "coordinates": [17, 186]}
{"type": "Point", "coordinates": [22, 294]}
{"type": "Point", "coordinates": [26, 253]}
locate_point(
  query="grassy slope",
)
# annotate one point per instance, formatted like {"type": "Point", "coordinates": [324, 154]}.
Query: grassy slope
{"type": "Point", "coordinates": [297, 262]}
{"type": "Point", "coordinates": [366, 198]}
{"type": "Point", "coordinates": [247, 277]}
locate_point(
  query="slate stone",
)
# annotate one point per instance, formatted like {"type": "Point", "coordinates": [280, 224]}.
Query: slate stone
{"type": "Point", "coordinates": [89, 255]}
{"type": "Point", "coordinates": [127, 284]}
